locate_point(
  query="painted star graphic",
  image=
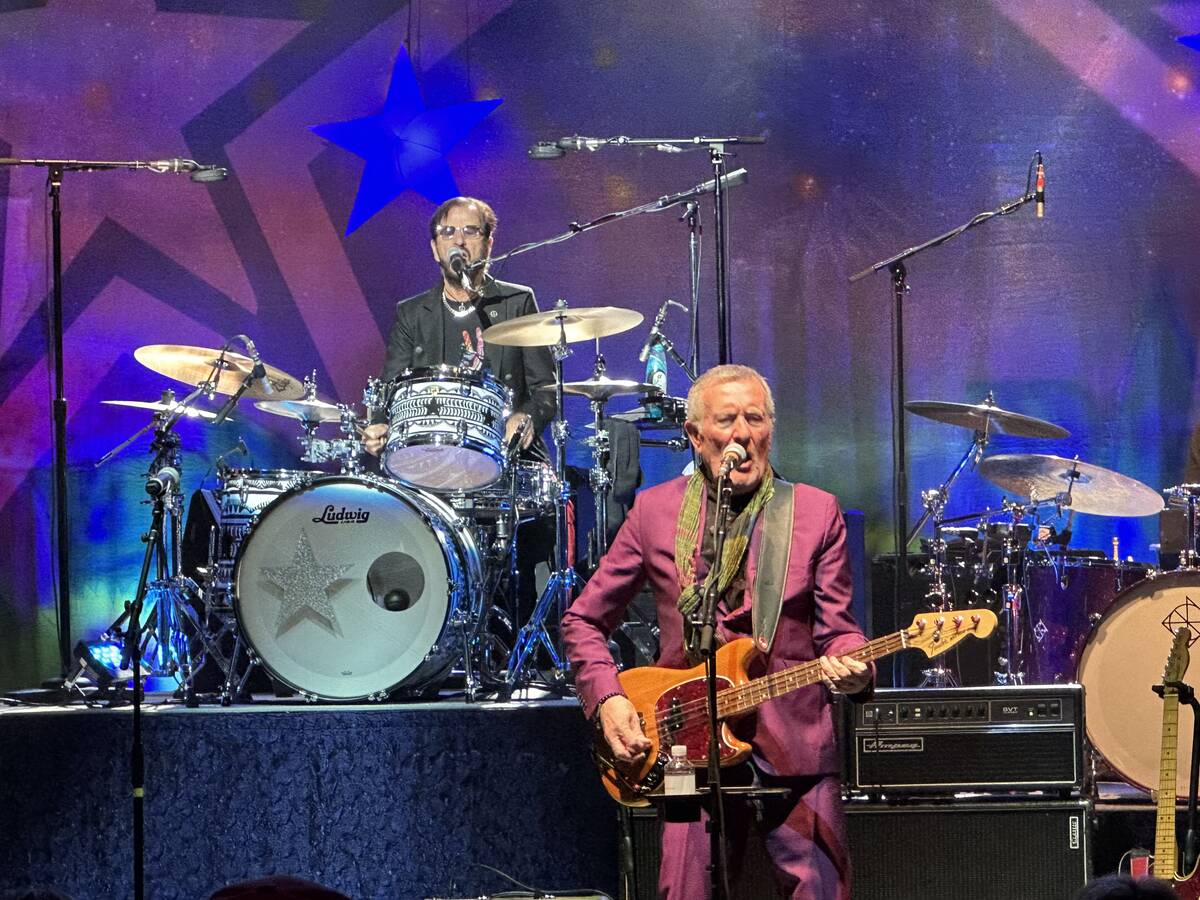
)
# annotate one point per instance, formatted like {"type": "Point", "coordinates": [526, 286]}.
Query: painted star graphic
{"type": "Point", "coordinates": [489, 418]}
{"type": "Point", "coordinates": [433, 407]}
{"type": "Point", "coordinates": [306, 585]}
{"type": "Point", "coordinates": [404, 144]}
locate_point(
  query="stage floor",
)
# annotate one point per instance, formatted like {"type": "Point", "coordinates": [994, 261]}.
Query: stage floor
{"type": "Point", "coordinates": [379, 801]}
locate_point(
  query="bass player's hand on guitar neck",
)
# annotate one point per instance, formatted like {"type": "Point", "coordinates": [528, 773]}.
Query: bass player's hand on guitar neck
{"type": "Point", "coordinates": [623, 731]}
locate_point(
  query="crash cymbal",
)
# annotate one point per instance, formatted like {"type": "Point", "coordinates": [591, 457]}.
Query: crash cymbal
{"type": "Point", "coordinates": [192, 365]}
{"type": "Point", "coordinates": [306, 410]}
{"type": "Point", "coordinates": [578, 323]}
{"type": "Point", "coordinates": [986, 417]}
{"type": "Point", "coordinates": [191, 412]}
{"type": "Point", "coordinates": [1094, 490]}
{"type": "Point", "coordinates": [602, 388]}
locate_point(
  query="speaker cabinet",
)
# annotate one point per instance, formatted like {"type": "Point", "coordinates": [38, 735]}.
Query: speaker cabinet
{"type": "Point", "coordinates": [986, 851]}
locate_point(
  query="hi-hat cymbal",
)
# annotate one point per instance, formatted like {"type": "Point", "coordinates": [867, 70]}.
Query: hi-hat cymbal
{"type": "Point", "coordinates": [601, 388]}
{"type": "Point", "coordinates": [158, 406]}
{"type": "Point", "coordinates": [985, 417]}
{"type": "Point", "coordinates": [577, 323]}
{"type": "Point", "coordinates": [192, 365]}
{"type": "Point", "coordinates": [305, 410]}
{"type": "Point", "coordinates": [1094, 490]}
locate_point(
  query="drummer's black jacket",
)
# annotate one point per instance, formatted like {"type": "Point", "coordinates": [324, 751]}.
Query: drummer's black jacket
{"type": "Point", "coordinates": [416, 342]}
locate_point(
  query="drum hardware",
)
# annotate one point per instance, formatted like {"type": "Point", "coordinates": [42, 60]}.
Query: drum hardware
{"type": "Point", "coordinates": [1185, 496]}
{"type": "Point", "coordinates": [557, 328]}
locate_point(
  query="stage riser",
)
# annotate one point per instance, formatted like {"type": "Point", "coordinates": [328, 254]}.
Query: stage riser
{"type": "Point", "coordinates": [389, 802]}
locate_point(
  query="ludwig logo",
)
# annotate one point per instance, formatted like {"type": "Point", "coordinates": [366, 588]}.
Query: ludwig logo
{"type": "Point", "coordinates": [343, 516]}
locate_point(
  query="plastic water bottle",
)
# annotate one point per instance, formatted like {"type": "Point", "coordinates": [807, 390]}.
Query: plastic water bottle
{"type": "Point", "coordinates": [656, 375]}
{"type": "Point", "coordinates": [680, 777]}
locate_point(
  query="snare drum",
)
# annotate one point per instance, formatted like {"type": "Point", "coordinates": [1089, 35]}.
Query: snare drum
{"type": "Point", "coordinates": [353, 587]}
{"type": "Point", "coordinates": [532, 484]}
{"type": "Point", "coordinates": [1064, 599]}
{"type": "Point", "coordinates": [1123, 658]}
{"type": "Point", "coordinates": [446, 429]}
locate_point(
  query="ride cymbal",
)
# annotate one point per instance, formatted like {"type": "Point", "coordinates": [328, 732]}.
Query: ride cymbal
{"type": "Point", "coordinates": [1093, 489]}
{"type": "Point", "coordinates": [576, 323]}
{"type": "Point", "coordinates": [192, 365]}
{"type": "Point", "coordinates": [985, 417]}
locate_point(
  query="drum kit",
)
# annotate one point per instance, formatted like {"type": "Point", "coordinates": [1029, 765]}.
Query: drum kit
{"type": "Point", "coordinates": [360, 585]}
{"type": "Point", "coordinates": [1070, 616]}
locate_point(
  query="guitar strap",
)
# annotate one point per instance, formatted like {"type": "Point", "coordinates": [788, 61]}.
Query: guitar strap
{"type": "Point", "coordinates": [771, 564]}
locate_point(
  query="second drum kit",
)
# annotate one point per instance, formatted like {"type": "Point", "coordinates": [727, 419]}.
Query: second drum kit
{"type": "Point", "coordinates": [361, 584]}
{"type": "Point", "coordinates": [1083, 616]}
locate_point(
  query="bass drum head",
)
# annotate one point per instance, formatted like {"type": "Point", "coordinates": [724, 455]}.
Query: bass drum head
{"type": "Point", "coordinates": [344, 587]}
{"type": "Point", "coordinates": [1124, 657]}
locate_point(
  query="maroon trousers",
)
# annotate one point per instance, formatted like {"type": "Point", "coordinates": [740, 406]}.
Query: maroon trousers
{"type": "Point", "coordinates": [804, 836]}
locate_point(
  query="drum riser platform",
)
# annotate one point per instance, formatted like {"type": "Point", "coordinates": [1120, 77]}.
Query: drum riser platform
{"type": "Point", "coordinates": [388, 801]}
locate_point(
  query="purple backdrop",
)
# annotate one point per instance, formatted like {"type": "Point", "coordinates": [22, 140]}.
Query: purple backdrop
{"type": "Point", "coordinates": [885, 126]}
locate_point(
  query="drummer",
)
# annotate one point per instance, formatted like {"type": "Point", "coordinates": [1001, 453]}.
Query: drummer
{"type": "Point", "coordinates": [445, 324]}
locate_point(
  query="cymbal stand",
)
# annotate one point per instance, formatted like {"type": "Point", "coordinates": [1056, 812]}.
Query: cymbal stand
{"type": "Point", "coordinates": [564, 581]}
{"type": "Point", "coordinates": [599, 478]}
{"type": "Point", "coordinates": [939, 597]}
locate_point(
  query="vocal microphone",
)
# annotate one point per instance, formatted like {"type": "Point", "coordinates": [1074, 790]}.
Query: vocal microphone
{"type": "Point", "coordinates": [728, 180]}
{"type": "Point", "coordinates": [161, 481]}
{"type": "Point", "coordinates": [206, 174]}
{"type": "Point", "coordinates": [1039, 187]}
{"type": "Point", "coordinates": [176, 166]}
{"type": "Point", "coordinates": [733, 455]}
{"type": "Point", "coordinates": [461, 267]}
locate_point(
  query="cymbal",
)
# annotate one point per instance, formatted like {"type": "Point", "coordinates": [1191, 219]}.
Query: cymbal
{"type": "Point", "coordinates": [192, 365]}
{"type": "Point", "coordinates": [305, 410]}
{"type": "Point", "coordinates": [158, 406]}
{"type": "Point", "coordinates": [671, 418]}
{"type": "Point", "coordinates": [986, 417]}
{"type": "Point", "coordinates": [602, 388]}
{"type": "Point", "coordinates": [1096, 491]}
{"type": "Point", "coordinates": [577, 323]}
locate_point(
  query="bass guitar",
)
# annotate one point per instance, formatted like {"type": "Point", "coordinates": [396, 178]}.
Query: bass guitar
{"type": "Point", "coordinates": [672, 704]}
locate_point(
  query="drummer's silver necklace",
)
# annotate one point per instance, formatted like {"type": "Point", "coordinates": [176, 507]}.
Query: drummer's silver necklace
{"type": "Point", "coordinates": [459, 312]}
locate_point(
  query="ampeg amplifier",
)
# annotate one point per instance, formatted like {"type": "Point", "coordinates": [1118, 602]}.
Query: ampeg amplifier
{"type": "Point", "coordinates": [948, 740]}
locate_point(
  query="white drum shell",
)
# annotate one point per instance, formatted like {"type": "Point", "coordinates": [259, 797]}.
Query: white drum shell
{"type": "Point", "coordinates": [446, 429]}
{"type": "Point", "coordinates": [1123, 659]}
{"type": "Point", "coordinates": [366, 651]}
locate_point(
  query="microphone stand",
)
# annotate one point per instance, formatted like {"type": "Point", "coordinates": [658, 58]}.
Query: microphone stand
{"type": "Point", "coordinates": [707, 622]}
{"type": "Point", "coordinates": [899, 287]}
{"type": "Point", "coordinates": [54, 179]}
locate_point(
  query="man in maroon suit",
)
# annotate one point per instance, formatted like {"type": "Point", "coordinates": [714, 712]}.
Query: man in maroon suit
{"type": "Point", "coordinates": [790, 593]}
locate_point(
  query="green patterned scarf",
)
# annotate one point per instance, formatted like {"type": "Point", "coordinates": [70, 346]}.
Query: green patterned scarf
{"type": "Point", "coordinates": [687, 536]}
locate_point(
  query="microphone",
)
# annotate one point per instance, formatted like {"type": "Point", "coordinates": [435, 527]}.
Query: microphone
{"type": "Point", "coordinates": [1039, 188]}
{"type": "Point", "coordinates": [734, 454]}
{"type": "Point", "coordinates": [162, 481]}
{"type": "Point", "coordinates": [210, 173]}
{"type": "Point", "coordinates": [728, 180]}
{"type": "Point", "coordinates": [576, 142]}
{"type": "Point", "coordinates": [259, 371]}
{"type": "Point", "coordinates": [654, 331]}
{"type": "Point", "coordinates": [546, 150]}
{"type": "Point", "coordinates": [461, 267]}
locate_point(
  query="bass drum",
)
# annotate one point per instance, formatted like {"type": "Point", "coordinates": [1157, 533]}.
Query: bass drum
{"type": "Point", "coordinates": [350, 588]}
{"type": "Point", "coordinates": [1123, 658]}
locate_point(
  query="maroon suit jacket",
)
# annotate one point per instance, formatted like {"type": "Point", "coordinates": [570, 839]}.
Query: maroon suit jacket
{"type": "Point", "coordinates": [792, 735]}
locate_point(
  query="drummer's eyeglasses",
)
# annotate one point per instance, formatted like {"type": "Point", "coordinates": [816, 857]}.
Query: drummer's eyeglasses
{"type": "Point", "coordinates": [447, 231]}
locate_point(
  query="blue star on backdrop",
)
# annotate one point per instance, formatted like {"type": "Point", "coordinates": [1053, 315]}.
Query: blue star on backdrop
{"type": "Point", "coordinates": [404, 144]}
